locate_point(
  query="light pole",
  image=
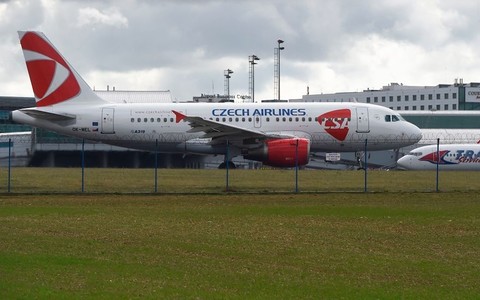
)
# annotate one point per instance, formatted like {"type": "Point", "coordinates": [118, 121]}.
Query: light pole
{"type": "Point", "coordinates": [251, 81]}
{"type": "Point", "coordinates": [277, 68]}
{"type": "Point", "coordinates": [227, 73]}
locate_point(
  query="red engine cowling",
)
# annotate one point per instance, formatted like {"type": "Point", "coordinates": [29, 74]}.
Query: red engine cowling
{"type": "Point", "coordinates": [282, 152]}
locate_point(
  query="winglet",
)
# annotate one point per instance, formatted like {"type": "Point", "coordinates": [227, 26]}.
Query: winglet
{"type": "Point", "coordinates": [178, 116]}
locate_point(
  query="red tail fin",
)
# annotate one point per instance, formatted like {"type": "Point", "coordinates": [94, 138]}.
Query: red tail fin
{"type": "Point", "coordinates": [53, 78]}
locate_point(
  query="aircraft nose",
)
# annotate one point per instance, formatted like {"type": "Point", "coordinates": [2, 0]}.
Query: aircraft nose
{"type": "Point", "coordinates": [402, 163]}
{"type": "Point", "coordinates": [415, 133]}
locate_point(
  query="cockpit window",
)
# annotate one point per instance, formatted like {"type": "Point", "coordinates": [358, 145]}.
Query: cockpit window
{"type": "Point", "coordinates": [393, 118]}
{"type": "Point", "coordinates": [415, 153]}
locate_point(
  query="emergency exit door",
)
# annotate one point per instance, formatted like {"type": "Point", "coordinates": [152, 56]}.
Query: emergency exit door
{"type": "Point", "coordinates": [108, 120]}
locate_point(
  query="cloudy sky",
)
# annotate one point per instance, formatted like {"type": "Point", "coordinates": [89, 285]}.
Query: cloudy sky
{"type": "Point", "coordinates": [185, 45]}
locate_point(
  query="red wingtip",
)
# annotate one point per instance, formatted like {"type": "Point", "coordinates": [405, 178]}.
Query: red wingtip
{"type": "Point", "coordinates": [178, 116]}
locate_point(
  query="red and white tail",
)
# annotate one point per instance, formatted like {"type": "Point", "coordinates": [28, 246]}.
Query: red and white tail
{"type": "Point", "coordinates": [53, 79]}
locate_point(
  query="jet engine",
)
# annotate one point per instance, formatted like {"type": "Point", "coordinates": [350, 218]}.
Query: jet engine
{"type": "Point", "coordinates": [281, 152]}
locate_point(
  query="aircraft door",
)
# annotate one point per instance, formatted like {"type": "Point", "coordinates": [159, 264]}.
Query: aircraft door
{"type": "Point", "coordinates": [362, 119]}
{"type": "Point", "coordinates": [107, 120]}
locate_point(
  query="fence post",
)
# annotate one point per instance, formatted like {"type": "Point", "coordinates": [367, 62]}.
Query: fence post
{"type": "Point", "coordinates": [438, 159]}
{"type": "Point", "coordinates": [365, 166]}
{"type": "Point", "coordinates": [83, 165]}
{"type": "Point", "coordinates": [227, 162]}
{"type": "Point", "coordinates": [156, 165]}
{"type": "Point", "coordinates": [9, 163]}
{"type": "Point", "coordinates": [296, 167]}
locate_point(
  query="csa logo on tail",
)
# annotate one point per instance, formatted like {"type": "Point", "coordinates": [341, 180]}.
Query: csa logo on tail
{"type": "Point", "coordinates": [336, 122]}
{"type": "Point", "coordinates": [52, 79]}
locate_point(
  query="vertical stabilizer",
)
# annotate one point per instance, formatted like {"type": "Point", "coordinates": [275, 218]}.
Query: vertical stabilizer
{"type": "Point", "coordinates": [53, 79]}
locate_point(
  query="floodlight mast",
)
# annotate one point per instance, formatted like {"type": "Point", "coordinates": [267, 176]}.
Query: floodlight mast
{"type": "Point", "coordinates": [251, 77]}
{"type": "Point", "coordinates": [227, 74]}
{"type": "Point", "coordinates": [277, 69]}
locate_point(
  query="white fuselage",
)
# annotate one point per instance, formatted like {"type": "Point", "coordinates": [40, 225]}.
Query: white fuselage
{"type": "Point", "coordinates": [341, 127]}
{"type": "Point", "coordinates": [460, 157]}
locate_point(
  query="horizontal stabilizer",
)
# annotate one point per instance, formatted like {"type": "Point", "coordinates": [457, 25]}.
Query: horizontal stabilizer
{"type": "Point", "coordinates": [41, 114]}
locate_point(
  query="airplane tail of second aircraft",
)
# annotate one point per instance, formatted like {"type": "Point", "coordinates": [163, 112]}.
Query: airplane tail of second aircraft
{"type": "Point", "coordinates": [54, 80]}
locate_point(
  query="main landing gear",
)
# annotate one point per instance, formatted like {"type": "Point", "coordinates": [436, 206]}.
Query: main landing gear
{"type": "Point", "coordinates": [230, 164]}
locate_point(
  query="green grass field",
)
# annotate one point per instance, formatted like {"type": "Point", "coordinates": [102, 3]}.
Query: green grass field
{"type": "Point", "coordinates": [193, 240]}
{"type": "Point", "coordinates": [69, 180]}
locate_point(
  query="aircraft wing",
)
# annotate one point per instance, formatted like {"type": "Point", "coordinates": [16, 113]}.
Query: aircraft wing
{"type": "Point", "coordinates": [223, 131]}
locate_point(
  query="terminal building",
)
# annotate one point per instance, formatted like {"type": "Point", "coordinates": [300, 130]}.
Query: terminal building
{"type": "Point", "coordinates": [399, 97]}
{"type": "Point", "coordinates": [447, 111]}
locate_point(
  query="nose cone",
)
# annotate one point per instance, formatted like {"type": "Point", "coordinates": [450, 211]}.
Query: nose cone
{"type": "Point", "coordinates": [404, 162]}
{"type": "Point", "coordinates": [415, 133]}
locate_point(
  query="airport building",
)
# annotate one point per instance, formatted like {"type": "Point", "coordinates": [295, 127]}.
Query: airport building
{"type": "Point", "coordinates": [399, 97]}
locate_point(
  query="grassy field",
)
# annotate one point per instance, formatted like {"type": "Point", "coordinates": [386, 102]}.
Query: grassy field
{"type": "Point", "coordinates": [69, 180]}
{"type": "Point", "coordinates": [213, 244]}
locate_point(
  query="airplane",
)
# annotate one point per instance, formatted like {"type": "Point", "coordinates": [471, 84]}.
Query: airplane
{"type": "Point", "coordinates": [277, 134]}
{"type": "Point", "coordinates": [458, 157]}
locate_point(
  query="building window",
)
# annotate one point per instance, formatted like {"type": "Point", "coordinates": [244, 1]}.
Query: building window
{"type": "Point", "coordinates": [406, 107]}
{"type": "Point", "coordinates": [446, 107]}
{"type": "Point", "coordinates": [445, 96]}
{"type": "Point", "coordinates": [414, 97]}
{"type": "Point", "coordinates": [430, 97]}
{"type": "Point", "coordinates": [438, 96]}
{"type": "Point", "coordinates": [399, 108]}
{"type": "Point", "coordinates": [454, 96]}
{"type": "Point", "coordinates": [414, 107]}
{"type": "Point", "coordinates": [390, 98]}
{"type": "Point", "coordinates": [383, 98]}
{"type": "Point", "coordinates": [406, 97]}
{"type": "Point", "coordinates": [422, 107]}
{"type": "Point", "coordinates": [430, 107]}
{"type": "Point", "coordinates": [438, 106]}
{"type": "Point", "coordinates": [375, 99]}
{"type": "Point", "coordinates": [454, 106]}
{"type": "Point", "coordinates": [368, 99]}
{"type": "Point", "coordinates": [422, 97]}
{"type": "Point", "coordinates": [399, 98]}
